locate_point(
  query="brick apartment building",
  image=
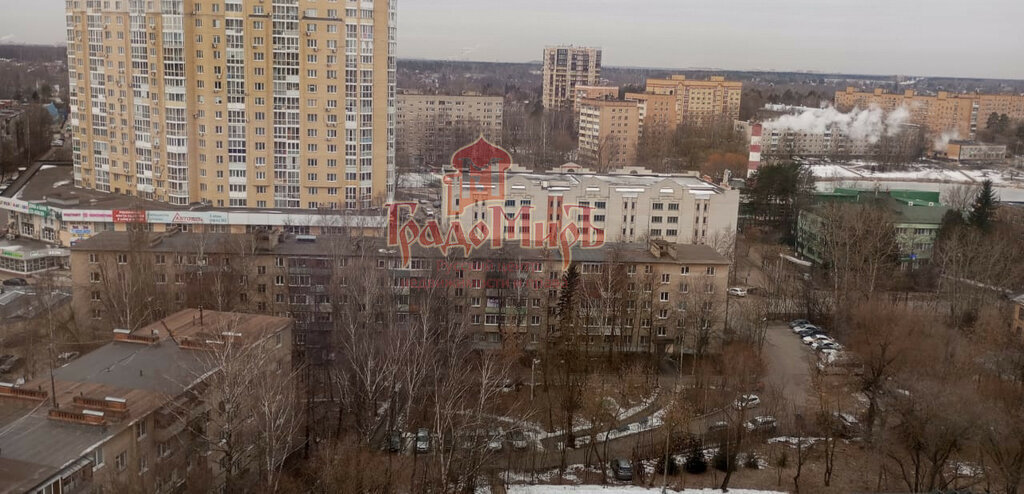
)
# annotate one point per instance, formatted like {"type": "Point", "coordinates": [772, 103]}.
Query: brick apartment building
{"type": "Point", "coordinates": [321, 282]}
{"type": "Point", "coordinates": [943, 112]}
{"type": "Point", "coordinates": [669, 103]}
{"type": "Point", "coordinates": [131, 413]}
{"type": "Point", "coordinates": [609, 131]}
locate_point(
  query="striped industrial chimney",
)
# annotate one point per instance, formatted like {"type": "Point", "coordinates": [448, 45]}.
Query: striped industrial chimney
{"type": "Point", "coordinates": [755, 148]}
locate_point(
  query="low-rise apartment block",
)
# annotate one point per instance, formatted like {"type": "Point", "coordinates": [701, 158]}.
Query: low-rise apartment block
{"type": "Point", "coordinates": [629, 204]}
{"type": "Point", "coordinates": [133, 414]}
{"type": "Point", "coordinates": [502, 296]}
{"type": "Point", "coordinates": [959, 150]}
{"type": "Point", "coordinates": [431, 127]}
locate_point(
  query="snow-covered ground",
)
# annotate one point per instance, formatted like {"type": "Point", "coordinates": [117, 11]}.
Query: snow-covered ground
{"type": "Point", "coordinates": [618, 489]}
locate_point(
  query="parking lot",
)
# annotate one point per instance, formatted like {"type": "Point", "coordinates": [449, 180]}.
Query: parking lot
{"type": "Point", "coordinates": [789, 363]}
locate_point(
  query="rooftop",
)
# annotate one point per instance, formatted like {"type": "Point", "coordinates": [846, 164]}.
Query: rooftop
{"type": "Point", "coordinates": [143, 370]}
{"type": "Point", "coordinates": [909, 206]}
{"type": "Point", "coordinates": [325, 246]}
{"type": "Point", "coordinates": [573, 175]}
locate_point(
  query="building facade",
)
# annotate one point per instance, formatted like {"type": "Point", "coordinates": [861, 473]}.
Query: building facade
{"type": "Point", "coordinates": [234, 103]}
{"type": "Point", "coordinates": [944, 112]}
{"type": "Point", "coordinates": [49, 208]}
{"type": "Point", "coordinates": [629, 204]}
{"type": "Point", "coordinates": [959, 150]}
{"type": "Point", "coordinates": [565, 68]}
{"type": "Point", "coordinates": [431, 127]}
{"type": "Point", "coordinates": [916, 216]}
{"type": "Point", "coordinates": [669, 103]}
{"type": "Point", "coordinates": [609, 131]}
{"type": "Point", "coordinates": [130, 414]}
{"type": "Point", "coordinates": [501, 296]}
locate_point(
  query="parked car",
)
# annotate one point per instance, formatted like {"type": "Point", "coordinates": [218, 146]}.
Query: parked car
{"type": "Point", "coordinates": [422, 440]}
{"type": "Point", "coordinates": [763, 423]}
{"type": "Point", "coordinates": [814, 337]}
{"type": "Point", "coordinates": [622, 469]}
{"type": "Point", "coordinates": [828, 345]}
{"type": "Point", "coordinates": [848, 425]}
{"type": "Point", "coordinates": [737, 291]}
{"type": "Point", "coordinates": [494, 444]}
{"type": "Point", "coordinates": [746, 401]}
{"type": "Point", "coordinates": [518, 439]}
{"type": "Point", "coordinates": [15, 282]}
{"type": "Point", "coordinates": [796, 323]}
{"type": "Point", "coordinates": [8, 363]}
{"type": "Point", "coordinates": [808, 328]}
{"type": "Point", "coordinates": [395, 442]}
{"type": "Point", "coordinates": [721, 425]}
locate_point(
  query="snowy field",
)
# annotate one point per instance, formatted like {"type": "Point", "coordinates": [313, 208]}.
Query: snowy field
{"type": "Point", "coordinates": [615, 489]}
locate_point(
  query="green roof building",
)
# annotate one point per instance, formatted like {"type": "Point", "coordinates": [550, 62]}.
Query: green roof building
{"type": "Point", "coordinates": [917, 216]}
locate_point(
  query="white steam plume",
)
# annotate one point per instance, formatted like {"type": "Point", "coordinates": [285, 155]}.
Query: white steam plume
{"type": "Point", "coordinates": [870, 124]}
{"type": "Point", "coordinates": [940, 141]}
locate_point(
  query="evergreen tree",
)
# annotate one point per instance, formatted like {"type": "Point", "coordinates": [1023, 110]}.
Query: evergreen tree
{"type": "Point", "coordinates": [696, 464]}
{"type": "Point", "coordinates": [993, 121]}
{"type": "Point", "coordinates": [567, 300]}
{"type": "Point", "coordinates": [984, 207]}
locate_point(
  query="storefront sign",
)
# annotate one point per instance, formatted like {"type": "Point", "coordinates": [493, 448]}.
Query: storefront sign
{"type": "Point", "coordinates": [88, 215]}
{"type": "Point", "coordinates": [128, 216]}
{"type": "Point", "coordinates": [187, 217]}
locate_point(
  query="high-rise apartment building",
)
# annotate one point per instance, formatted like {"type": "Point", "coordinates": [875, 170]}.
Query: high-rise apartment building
{"type": "Point", "coordinates": [944, 112]}
{"type": "Point", "coordinates": [236, 103]}
{"type": "Point", "coordinates": [566, 67]}
{"type": "Point", "coordinates": [433, 126]}
{"type": "Point", "coordinates": [609, 131]}
{"type": "Point", "coordinates": [668, 103]}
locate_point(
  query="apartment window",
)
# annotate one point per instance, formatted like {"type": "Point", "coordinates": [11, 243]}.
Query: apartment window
{"type": "Point", "coordinates": [122, 258]}
{"type": "Point", "coordinates": [476, 318]}
{"type": "Point", "coordinates": [143, 463]}
{"type": "Point", "coordinates": [93, 258]}
{"type": "Point", "coordinates": [631, 269]}
{"type": "Point", "coordinates": [95, 296]}
{"type": "Point", "coordinates": [160, 259]}
{"type": "Point", "coordinates": [684, 270]}
{"type": "Point", "coordinates": [163, 450]}
{"type": "Point", "coordinates": [535, 320]}
{"type": "Point", "coordinates": [475, 301]}
{"type": "Point", "coordinates": [710, 271]}
{"type": "Point", "coordinates": [663, 296]}
{"type": "Point", "coordinates": [95, 277]}
{"type": "Point", "coordinates": [97, 458]}
{"type": "Point", "coordinates": [279, 280]}
{"type": "Point", "coordinates": [121, 461]}
{"type": "Point", "coordinates": [658, 206]}
{"type": "Point", "coordinates": [665, 277]}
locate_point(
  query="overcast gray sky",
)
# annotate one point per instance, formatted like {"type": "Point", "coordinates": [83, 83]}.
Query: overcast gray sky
{"type": "Point", "coordinates": [967, 38]}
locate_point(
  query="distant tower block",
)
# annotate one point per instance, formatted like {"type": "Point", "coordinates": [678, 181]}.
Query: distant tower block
{"type": "Point", "coordinates": [755, 148]}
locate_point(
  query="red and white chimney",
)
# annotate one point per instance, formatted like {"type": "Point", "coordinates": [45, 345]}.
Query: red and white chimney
{"type": "Point", "coordinates": [755, 148]}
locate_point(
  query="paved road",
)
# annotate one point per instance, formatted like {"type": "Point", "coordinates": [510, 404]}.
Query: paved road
{"type": "Point", "coordinates": [787, 359]}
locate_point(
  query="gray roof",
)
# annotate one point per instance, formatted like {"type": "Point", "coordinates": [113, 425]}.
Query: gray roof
{"type": "Point", "coordinates": [227, 243]}
{"type": "Point", "coordinates": [146, 376]}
